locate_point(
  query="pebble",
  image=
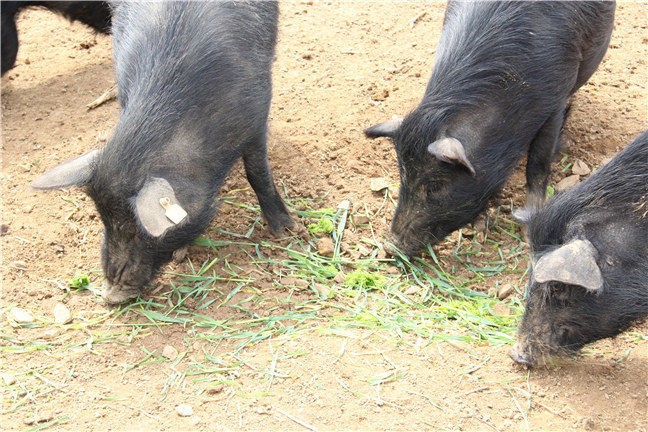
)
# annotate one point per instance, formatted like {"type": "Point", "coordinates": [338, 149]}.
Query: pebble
{"type": "Point", "coordinates": [393, 270]}
{"type": "Point", "coordinates": [580, 168]}
{"type": "Point", "coordinates": [363, 251]}
{"type": "Point", "coordinates": [505, 291]}
{"type": "Point", "coordinates": [212, 390]}
{"type": "Point", "coordinates": [62, 314]}
{"type": "Point", "coordinates": [170, 353]}
{"type": "Point", "coordinates": [292, 281]}
{"type": "Point", "coordinates": [325, 247]}
{"type": "Point", "coordinates": [379, 183]}
{"type": "Point", "coordinates": [323, 290]}
{"type": "Point", "coordinates": [50, 333]}
{"type": "Point", "coordinates": [567, 182]}
{"type": "Point", "coordinates": [500, 309]}
{"type": "Point", "coordinates": [411, 290]}
{"type": "Point", "coordinates": [184, 410]}
{"type": "Point", "coordinates": [360, 219]}
{"type": "Point", "coordinates": [339, 278]}
{"type": "Point", "coordinates": [21, 316]}
{"type": "Point", "coordinates": [8, 379]}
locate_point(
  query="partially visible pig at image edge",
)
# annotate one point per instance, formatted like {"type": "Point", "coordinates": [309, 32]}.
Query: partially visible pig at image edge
{"type": "Point", "coordinates": [588, 277]}
{"type": "Point", "coordinates": [502, 76]}
{"type": "Point", "coordinates": [194, 83]}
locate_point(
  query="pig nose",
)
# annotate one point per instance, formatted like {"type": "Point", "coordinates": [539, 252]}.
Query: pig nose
{"type": "Point", "coordinates": [114, 294]}
{"type": "Point", "coordinates": [519, 355]}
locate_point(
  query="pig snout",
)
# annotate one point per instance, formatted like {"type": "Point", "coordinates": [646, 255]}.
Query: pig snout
{"type": "Point", "coordinates": [115, 294]}
{"type": "Point", "coordinates": [519, 354]}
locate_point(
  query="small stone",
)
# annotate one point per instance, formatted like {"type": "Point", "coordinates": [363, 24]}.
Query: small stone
{"type": "Point", "coordinates": [500, 309]}
{"type": "Point", "coordinates": [62, 314]}
{"type": "Point", "coordinates": [50, 333]}
{"type": "Point", "coordinates": [212, 390]}
{"type": "Point", "coordinates": [411, 290]}
{"type": "Point", "coordinates": [393, 270]}
{"type": "Point", "coordinates": [170, 353]}
{"type": "Point", "coordinates": [20, 264]}
{"type": "Point", "coordinates": [580, 168]}
{"type": "Point", "coordinates": [323, 290]}
{"type": "Point", "coordinates": [293, 281]}
{"type": "Point", "coordinates": [184, 410]}
{"type": "Point", "coordinates": [379, 183]}
{"type": "Point", "coordinates": [325, 247]}
{"type": "Point", "coordinates": [28, 208]}
{"type": "Point", "coordinates": [195, 420]}
{"type": "Point", "coordinates": [505, 291]}
{"type": "Point", "coordinates": [363, 250]}
{"type": "Point", "coordinates": [381, 255]}
{"type": "Point", "coordinates": [339, 278]}
{"type": "Point", "coordinates": [8, 379]}
{"type": "Point", "coordinates": [360, 219]}
{"type": "Point", "coordinates": [567, 182]}
{"type": "Point", "coordinates": [21, 316]}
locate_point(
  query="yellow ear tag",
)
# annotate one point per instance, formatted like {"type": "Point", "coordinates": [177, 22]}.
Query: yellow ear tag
{"type": "Point", "coordinates": [174, 212]}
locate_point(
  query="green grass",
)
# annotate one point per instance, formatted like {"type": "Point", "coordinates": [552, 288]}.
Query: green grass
{"type": "Point", "coordinates": [219, 302]}
{"type": "Point", "coordinates": [324, 226]}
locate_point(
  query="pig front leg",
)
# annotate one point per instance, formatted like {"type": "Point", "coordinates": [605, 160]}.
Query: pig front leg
{"type": "Point", "coordinates": [259, 174]}
{"type": "Point", "coordinates": [541, 152]}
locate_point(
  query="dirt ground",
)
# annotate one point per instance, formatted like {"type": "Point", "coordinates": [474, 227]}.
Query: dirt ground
{"type": "Point", "coordinates": [340, 67]}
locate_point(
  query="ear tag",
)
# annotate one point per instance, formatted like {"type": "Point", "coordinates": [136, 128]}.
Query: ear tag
{"type": "Point", "coordinates": [173, 212]}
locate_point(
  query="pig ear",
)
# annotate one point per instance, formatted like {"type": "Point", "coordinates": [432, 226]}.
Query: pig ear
{"type": "Point", "coordinates": [157, 207]}
{"type": "Point", "coordinates": [384, 129]}
{"type": "Point", "coordinates": [573, 264]}
{"type": "Point", "coordinates": [452, 151]}
{"type": "Point", "coordinates": [75, 172]}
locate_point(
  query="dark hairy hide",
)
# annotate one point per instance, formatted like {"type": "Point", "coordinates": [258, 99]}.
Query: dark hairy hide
{"type": "Point", "coordinates": [609, 211]}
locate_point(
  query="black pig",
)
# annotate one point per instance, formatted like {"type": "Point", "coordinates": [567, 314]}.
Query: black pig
{"type": "Point", "coordinates": [588, 277]}
{"type": "Point", "coordinates": [502, 76]}
{"type": "Point", "coordinates": [194, 84]}
{"type": "Point", "coordinates": [95, 14]}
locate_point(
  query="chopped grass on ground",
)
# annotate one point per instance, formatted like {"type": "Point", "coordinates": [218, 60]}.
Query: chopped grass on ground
{"type": "Point", "coordinates": [437, 297]}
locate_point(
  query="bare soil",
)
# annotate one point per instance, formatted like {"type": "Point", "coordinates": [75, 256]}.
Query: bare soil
{"type": "Point", "coordinates": [340, 67]}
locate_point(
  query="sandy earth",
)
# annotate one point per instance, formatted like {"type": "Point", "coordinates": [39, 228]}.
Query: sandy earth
{"type": "Point", "coordinates": [340, 67]}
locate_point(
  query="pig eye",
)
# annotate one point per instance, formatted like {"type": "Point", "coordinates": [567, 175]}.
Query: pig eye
{"type": "Point", "coordinates": [559, 291]}
{"type": "Point", "coordinates": [433, 189]}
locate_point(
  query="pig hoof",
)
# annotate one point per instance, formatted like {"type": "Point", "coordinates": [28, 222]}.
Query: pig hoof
{"type": "Point", "coordinates": [179, 255]}
{"type": "Point", "coordinates": [280, 224]}
{"type": "Point", "coordinates": [115, 294]}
